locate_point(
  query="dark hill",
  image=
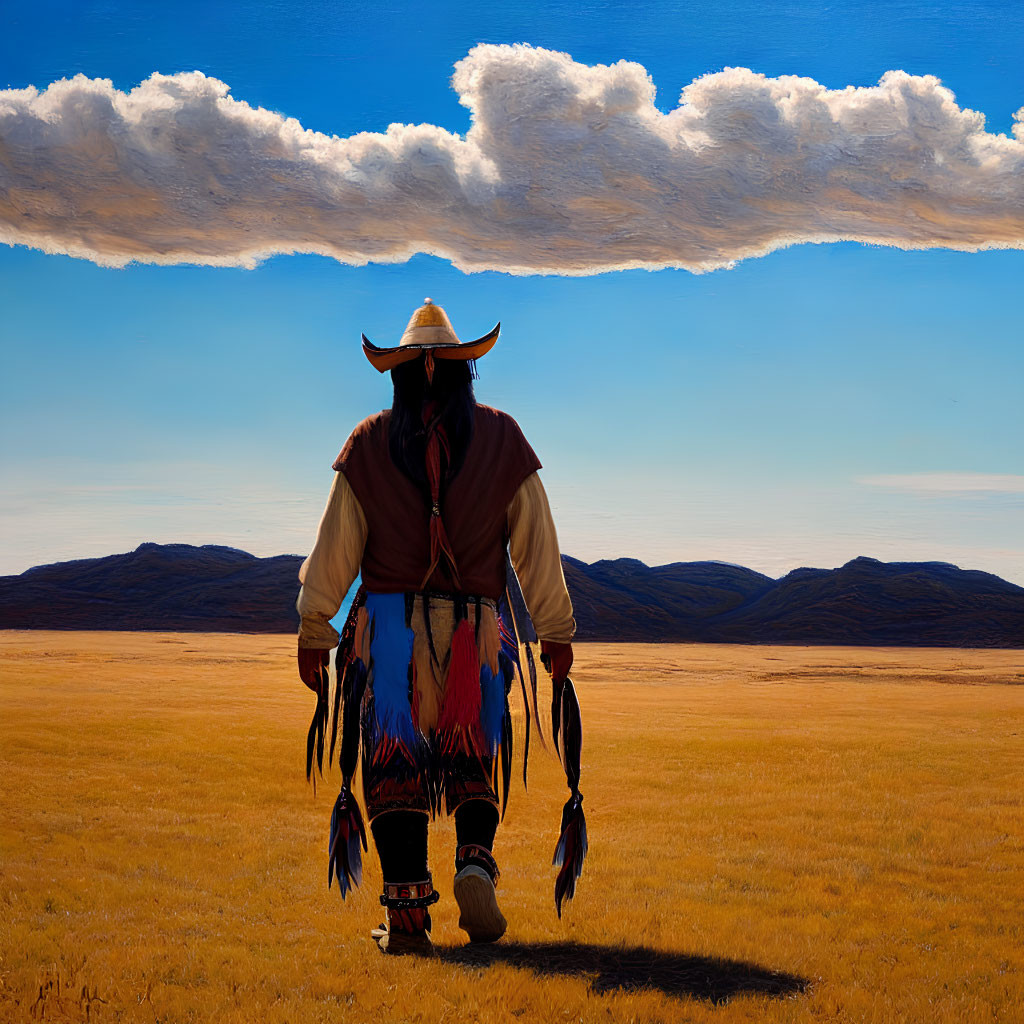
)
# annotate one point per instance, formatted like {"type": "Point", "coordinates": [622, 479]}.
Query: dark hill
{"type": "Point", "coordinates": [885, 604]}
{"type": "Point", "coordinates": [212, 588]}
{"type": "Point", "coordinates": [625, 599]}
{"type": "Point", "coordinates": [159, 587]}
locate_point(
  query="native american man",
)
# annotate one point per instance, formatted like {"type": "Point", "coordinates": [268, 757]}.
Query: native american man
{"type": "Point", "coordinates": [430, 501]}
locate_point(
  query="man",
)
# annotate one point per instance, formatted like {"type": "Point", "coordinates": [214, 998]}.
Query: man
{"type": "Point", "coordinates": [427, 498]}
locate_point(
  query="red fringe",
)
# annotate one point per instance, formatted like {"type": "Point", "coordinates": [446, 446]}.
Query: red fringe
{"type": "Point", "coordinates": [460, 711]}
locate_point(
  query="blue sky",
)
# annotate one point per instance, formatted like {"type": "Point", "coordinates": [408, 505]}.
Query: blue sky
{"type": "Point", "coordinates": [803, 408]}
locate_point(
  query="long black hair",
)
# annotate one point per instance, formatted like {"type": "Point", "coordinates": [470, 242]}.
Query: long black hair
{"type": "Point", "coordinates": [452, 391]}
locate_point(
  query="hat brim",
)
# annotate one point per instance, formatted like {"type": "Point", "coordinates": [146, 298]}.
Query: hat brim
{"type": "Point", "coordinates": [383, 359]}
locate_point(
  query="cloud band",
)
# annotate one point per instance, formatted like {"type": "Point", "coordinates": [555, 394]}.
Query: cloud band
{"type": "Point", "coordinates": [949, 483]}
{"type": "Point", "coordinates": [566, 169]}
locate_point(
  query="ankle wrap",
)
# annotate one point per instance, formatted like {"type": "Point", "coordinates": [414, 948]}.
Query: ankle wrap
{"type": "Point", "coordinates": [409, 895]}
{"type": "Point", "coordinates": [472, 853]}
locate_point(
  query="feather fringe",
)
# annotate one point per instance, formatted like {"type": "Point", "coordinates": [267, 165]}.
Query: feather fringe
{"type": "Point", "coordinates": [461, 706]}
{"type": "Point", "coordinates": [570, 850]}
{"type": "Point", "coordinates": [391, 643]}
{"type": "Point", "coordinates": [347, 834]}
{"type": "Point", "coordinates": [492, 710]}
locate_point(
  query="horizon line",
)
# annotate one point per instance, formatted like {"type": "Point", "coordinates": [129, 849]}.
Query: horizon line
{"type": "Point", "coordinates": [564, 555]}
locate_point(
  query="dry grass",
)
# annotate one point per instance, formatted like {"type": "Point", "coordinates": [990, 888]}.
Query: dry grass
{"type": "Point", "coordinates": [777, 834]}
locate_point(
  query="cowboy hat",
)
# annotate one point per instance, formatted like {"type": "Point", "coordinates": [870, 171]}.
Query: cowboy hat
{"type": "Point", "coordinates": [429, 330]}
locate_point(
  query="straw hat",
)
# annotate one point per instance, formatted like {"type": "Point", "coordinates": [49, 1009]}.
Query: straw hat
{"type": "Point", "coordinates": [429, 330]}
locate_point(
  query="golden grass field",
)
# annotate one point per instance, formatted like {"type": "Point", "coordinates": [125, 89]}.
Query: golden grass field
{"type": "Point", "coordinates": [777, 834]}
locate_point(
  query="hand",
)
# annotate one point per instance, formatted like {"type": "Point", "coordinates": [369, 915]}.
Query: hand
{"type": "Point", "coordinates": [556, 658]}
{"type": "Point", "coordinates": [313, 661]}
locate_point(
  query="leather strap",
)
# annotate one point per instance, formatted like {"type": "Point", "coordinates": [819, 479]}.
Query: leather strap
{"type": "Point", "coordinates": [473, 853]}
{"type": "Point", "coordinates": [409, 895]}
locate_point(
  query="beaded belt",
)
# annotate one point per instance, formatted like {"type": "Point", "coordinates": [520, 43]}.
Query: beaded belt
{"type": "Point", "coordinates": [432, 595]}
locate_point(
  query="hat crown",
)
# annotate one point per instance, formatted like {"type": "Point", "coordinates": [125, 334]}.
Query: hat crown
{"type": "Point", "coordinates": [429, 324]}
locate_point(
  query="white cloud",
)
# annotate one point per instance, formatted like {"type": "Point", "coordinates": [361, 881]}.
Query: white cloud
{"type": "Point", "coordinates": [567, 169]}
{"type": "Point", "coordinates": [949, 483]}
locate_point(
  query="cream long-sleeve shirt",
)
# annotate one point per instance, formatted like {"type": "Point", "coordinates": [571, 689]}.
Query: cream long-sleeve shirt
{"type": "Point", "coordinates": [332, 566]}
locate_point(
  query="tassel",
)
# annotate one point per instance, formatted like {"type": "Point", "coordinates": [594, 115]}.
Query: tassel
{"type": "Point", "coordinates": [571, 849]}
{"type": "Point", "coordinates": [390, 653]}
{"type": "Point", "coordinates": [347, 833]}
{"type": "Point", "coordinates": [460, 711]}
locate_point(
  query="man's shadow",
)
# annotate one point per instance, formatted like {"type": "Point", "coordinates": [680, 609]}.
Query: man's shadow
{"type": "Point", "coordinates": [633, 967]}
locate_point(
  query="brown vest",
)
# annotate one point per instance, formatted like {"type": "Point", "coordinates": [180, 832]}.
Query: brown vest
{"type": "Point", "coordinates": [397, 552]}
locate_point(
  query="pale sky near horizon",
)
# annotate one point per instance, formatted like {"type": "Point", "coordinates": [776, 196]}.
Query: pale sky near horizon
{"type": "Point", "coordinates": [804, 407]}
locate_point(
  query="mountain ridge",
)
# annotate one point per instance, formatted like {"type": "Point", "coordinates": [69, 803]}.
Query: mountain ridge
{"type": "Point", "coordinates": [216, 588]}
